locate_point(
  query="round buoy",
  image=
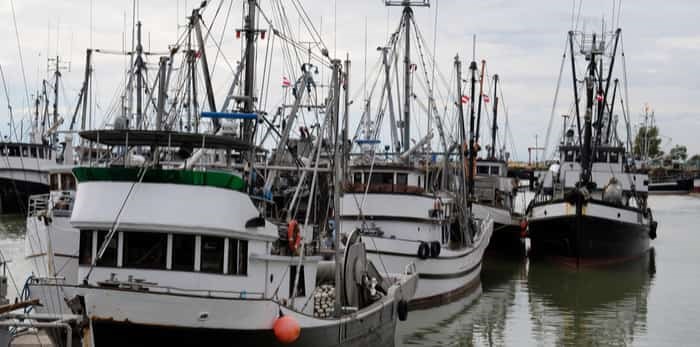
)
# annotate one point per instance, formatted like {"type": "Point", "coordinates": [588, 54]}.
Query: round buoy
{"type": "Point", "coordinates": [402, 310]}
{"type": "Point", "coordinates": [523, 228]}
{"type": "Point", "coordinates": [286, 329]}
{"type": "Point", "coordinates": [423, 251]}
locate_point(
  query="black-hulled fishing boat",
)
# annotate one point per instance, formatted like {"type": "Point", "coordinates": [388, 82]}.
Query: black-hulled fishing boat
{"type": "Point", "coordinates": [590, 207]}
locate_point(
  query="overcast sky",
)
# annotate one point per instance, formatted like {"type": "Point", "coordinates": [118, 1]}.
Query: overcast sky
{"type": "Point", "coordinates": [522, 41]}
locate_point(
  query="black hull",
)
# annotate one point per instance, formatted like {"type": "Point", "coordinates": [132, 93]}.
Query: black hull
{"type": "Point", "coordinates": [14, 194]}
{"type": "Point", "coordinates": [506, 240]}
{"type": "Point", "coordinates": [601, 241]}
{"type": "Point", "coordinates": [677, 186]}
{"type": "Point", "coordinates": [110, 333]}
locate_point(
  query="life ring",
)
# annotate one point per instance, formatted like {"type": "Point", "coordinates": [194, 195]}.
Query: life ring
{"type": "Point", "coordinates": [293, 235]}
{"type": "Point", "coordinates": [423, 251]}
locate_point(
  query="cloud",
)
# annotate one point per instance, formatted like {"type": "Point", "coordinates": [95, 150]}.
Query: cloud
{"type": "Point", "coordinates": [522, 41]}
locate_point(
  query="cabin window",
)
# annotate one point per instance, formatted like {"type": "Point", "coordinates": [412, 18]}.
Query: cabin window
{"type": "Point", "coordinates": [614, 157]}
{"type": "Point", "coordinates": [183, 252]}
{"type": "Point", "coordinates": [357, 177]}
{"type": "Point", "coordinates": [25, 152]}
{"type": "Point", "coordinates": [41, 153]}
{"type": "Point", "coordinates": [53, 182]}
{"type": "Point", "coordinates": [33, 151]}
{"type": "Point", "coordinates": [14, 151]}
{"type": "Point", "coordinates": [495, 171]}
{"type": "Point", "coordinates": [145, 250]}
{"type": "Point", "coordinates": [381, 178]}
{"type": "Point", "coordinates": [301, 288]}
{"type": "Point", "coordinates": [482, 170]}
{"type": "Point", "coordinates": [237, 257]}
{"type": "Point", "coordinates": [85, 248]}
{"type": "Point", "coordinates": [212, 258]}
{"type": "Point", "coordinates": [569, 156]}
{"type": "Point", "coordinates": [602, 157]}
{"type": "Point", "coordinates": [67, 182]}
{"type": "Point", "coordinates": [402, 179]}
{"type": "Point", "coordinates": [109, 257]}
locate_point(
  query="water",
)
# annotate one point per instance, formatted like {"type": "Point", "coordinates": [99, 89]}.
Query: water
{"type": "Point", "coordinates": [654, 301]}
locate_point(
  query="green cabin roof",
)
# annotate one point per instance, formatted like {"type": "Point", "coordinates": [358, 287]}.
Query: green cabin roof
{"type": "Point", "coordinates": [185, 177]}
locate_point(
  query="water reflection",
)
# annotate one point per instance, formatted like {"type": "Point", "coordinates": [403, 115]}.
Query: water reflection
{"type": "Point", "coordinates": [477, 319]}
{"type": "Point", "coordinates": [605, 306]}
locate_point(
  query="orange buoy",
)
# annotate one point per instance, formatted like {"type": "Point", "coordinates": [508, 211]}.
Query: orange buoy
{"type": "Point", "coordinates": [293, 235]}
{"type": "Point", "coordinates": [523, 228]}
{"type": "Point", "coordinates": [286, 329]}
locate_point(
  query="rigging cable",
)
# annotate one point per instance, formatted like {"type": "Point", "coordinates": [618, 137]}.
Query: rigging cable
{"type": "Point", "coordinates": [19, 52]}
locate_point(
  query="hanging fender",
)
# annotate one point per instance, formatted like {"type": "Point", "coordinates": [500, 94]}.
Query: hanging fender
{"type": "Point", "coordinates": [293, 235]}
{"type": "Point", "coordinates": [423, 251]}
{"type": "Point", "coordinates": [435, 248]}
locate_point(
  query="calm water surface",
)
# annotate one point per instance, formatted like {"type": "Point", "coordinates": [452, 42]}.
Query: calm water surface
{"type": "Point", "coordinates": [654, 301]}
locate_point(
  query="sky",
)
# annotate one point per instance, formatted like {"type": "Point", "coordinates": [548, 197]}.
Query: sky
{"type": "Point", "coordinates": [522, 41]}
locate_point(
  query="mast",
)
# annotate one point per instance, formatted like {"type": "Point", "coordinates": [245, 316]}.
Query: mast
{"type": "Point", "coordinates": [494, 126]}
{"type": "Point", "coordinates": [196, 21]}
{"type": "Point", "coordinates": [86, 84]}
{"type": "Point", "coordinates": [162, 92]}
{"type": "Point", "coordinates": [338, 176]}
{"type": "Point", "coordinates": [481, 97]}
{"type": "Point", "coordinates": [472, 152]}
{"type": "Point", "coordinates": [612, 108]}
{"type": "Point", "coordinates": [57, 77]}
{"type": "Point", "coordinates": [346, 119]}
{"type": "Point", "coordinates": [586, 159]}
{"type": "Point", "coordinates": [462, 134]}
{"type": "Point", "coordinates": [407, 14]}
{"type": "Point", "coordinates": [573, 73]}
{"type": "Point", "coordinates": [139, 80]}
{"type": "Point", "coordinates": [607, 89]}
{"type": "Point", "coordinates": [249, 80]}
{"type": "Point", "coordinates": [390, 98]}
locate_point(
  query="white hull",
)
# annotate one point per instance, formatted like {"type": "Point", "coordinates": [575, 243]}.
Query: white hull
{"type": "Point", "coordinates": [404, 222]}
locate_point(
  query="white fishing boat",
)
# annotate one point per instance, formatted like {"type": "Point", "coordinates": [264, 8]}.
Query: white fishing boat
{"type": "Point", "coordinates": [408, 207]}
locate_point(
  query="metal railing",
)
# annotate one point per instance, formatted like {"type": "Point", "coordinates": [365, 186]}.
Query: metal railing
{"type": "Point", "coordinates": [38, 204]}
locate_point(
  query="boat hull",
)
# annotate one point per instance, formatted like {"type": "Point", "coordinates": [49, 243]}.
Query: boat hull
{"type": "Point", "coordinates": [14, 194]}
{"type": "Point", "coordinates": [677, 186]}
{"type": "Point", "coordinates": [108, 333]}
{"type": "Point", "coordinates": [607, 234]}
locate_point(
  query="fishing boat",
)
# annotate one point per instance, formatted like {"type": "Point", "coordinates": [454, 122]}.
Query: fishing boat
{"type": "Point", "coordinates": [591, 208]}
{"type": "Point", "coordinates": [184, 238]}
{"type": "Point", "coordinates": [408, 207]}
{"type": "Point", "coordinates": [494, 191]}
{"type": "Point", "coordinates": [24, 164]}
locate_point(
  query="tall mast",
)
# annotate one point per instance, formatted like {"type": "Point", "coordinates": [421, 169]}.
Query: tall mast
{"type": "Point", "coordinates": [481, 97]}
{"type": "Point", "coordinates": [249, 80]}
{"type": "Point", "coordinates": [57, 76]}
{"type": "Point", "coordinates": [586, 157]}
{"type": "Point", "coordinates": [407, 15]}
{"type": "Point", "coordinates": [573, 73]}
{"type": "Point", "coordinates": [338, 176]}
{"type": "Point", "coordinates": [407, 19]}
{"type": "Point", "coordinates": [139, 79]}
{"type": "Point", "coordinates": [494, 127]}
{"type": "Point", "coordinates": [472, 152]}
{"type": "Point", "coordinates": [462, 133]}
{"type": "Point", "coordinates": [196, 21]}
